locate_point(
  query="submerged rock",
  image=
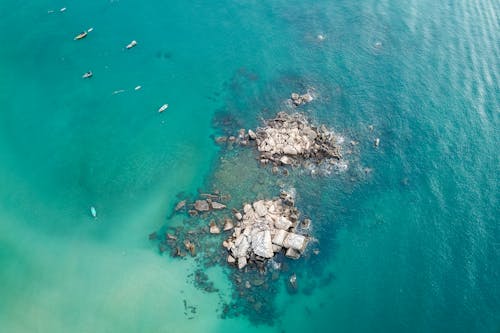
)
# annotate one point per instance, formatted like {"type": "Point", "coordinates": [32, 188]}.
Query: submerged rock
{"type": "Point", "coordinates": [190, 247]}
{"type": "Point", "coordinates": [180, 205]}
{"type": "Point", "coordinates": [301, 99]}
{"type": "Point", "coordinates": [201, 205]}
{"type": "Point", "coordinates": [217, 205]}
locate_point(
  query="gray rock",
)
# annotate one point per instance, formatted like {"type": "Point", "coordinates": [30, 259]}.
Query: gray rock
{"type": "Point", "coordinates": [306, 223]}
{"type": "Point", "coordinates": [307, 98]}
{"type": "Point", "coordinates": [180, 205]}
{"type": "Point", "coordinates": [217, 206]}
{"type": "Point", "coordinates": [221, 139]}
{"type": "Point", "coordinates": [214, 229]}
{"type": "Point", "coordinates": [201, 205]}
{"type": "Point", "coordinates": [292, 254]}
{"type": "Point", "coordinates": [252, 135]}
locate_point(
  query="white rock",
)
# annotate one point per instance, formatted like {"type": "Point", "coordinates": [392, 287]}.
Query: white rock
{"type": "Point", "coordinates": [283, 223]}
{"type": "Point", "coordinates": [279, 237]}
{"type": "Point", "coordinates": [239, 239]}
{"type": "Point", "coordinates": [296, 242]}
{"type": "Point", "coordinates": [230, 259]}
{"type": "Point", "coordinates": [242, 262]}
{"type": "Point", "coordinates": [285, 160]}
{"type": "Point", "coordinates": [262, 245]}
{"type": "Point", "coordinates": [247, 208]}
{"type": "Point", "coordinates": [241, 250]}
{"type": "Point", "coordinates": [247, 231]}
{"type": "Point", "coordinates": [289, 150]}
{"type": "Point", "coordinates": [260, 208]}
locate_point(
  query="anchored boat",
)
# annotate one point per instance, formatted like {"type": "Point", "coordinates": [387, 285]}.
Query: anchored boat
{"type": "Point", "coordinates": [87, 75]}
{"type": "Point", "coordinates": [163, 108]}
{"type": "Point", "coordinates": [132, 44]}
{"type": "Point", "coordinates": [81, 35]}
{"type": "Point", "coordinates": [93, 211]}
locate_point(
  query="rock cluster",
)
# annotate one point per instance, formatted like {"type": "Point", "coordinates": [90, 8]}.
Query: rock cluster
{"type": "Point", "coordinates": [201, 206]}
{"type": "Point", "coordinates": [301, 99]}
{"type": "Point", "coordinates": [266, 228]}
{"type": "Point", "coordinates": [289, 139]}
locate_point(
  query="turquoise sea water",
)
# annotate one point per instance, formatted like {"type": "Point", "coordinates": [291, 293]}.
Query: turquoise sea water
{"type": "Point", "coordinates": [413, 246]}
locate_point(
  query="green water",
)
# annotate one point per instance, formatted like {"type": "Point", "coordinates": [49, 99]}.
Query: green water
{"type": "Point", "coordinates": [413, 246]}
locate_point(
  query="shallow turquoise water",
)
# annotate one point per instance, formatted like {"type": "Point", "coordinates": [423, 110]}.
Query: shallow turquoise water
{"type": "Point", "coordinates": [413, 246]}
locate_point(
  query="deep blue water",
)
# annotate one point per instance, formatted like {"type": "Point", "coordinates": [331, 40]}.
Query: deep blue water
{"type": "Point", "coordinates": [413, 245]}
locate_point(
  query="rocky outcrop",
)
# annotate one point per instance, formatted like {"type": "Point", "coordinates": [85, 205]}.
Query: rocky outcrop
{"type": "Point", "coordinates": [289, 139]}
{"type": "Point", "coordinates": [266, 228]}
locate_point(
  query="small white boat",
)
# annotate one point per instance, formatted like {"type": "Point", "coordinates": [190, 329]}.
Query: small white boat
{"type": "Point", "coordinates": [132, 44]}
{"type": "Point", "coordinates": [90, 29]}
{"type": "Point", "coordinates": [81, 35]}
{"type": "Point", "coordinates": [87, 75]}
{"type": "Point", "coordinates": [137, 88]}
{"type": "Point", "coordinates": [93, 212]}
{"type": "Point", "coordinates": [62, 9]}
{"type": "Point", "coordinates": [163, 108]}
